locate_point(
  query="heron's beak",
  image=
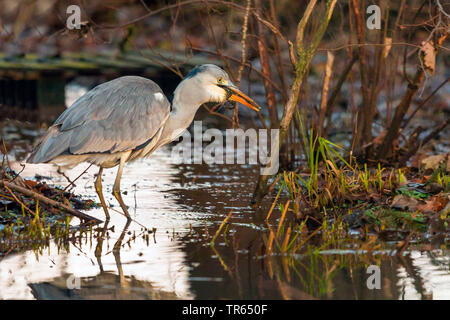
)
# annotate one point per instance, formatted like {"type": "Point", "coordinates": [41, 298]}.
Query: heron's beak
{"type": "Point", "coordinates": [234, 94]}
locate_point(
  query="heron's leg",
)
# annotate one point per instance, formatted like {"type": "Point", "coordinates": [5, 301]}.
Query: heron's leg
{"type": "Point", "coordinates": [99, 246]}
{"type": "Point", "coordinates": [116, 253]}
{"type": "Point", "coordinates": [98, 188]}
{"type": "Point", "coordinates": [116, 188]}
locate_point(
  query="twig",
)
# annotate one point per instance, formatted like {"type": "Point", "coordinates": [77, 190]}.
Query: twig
{"type": "Point", "coordinates": [276, 45]}
{"type": "Point", "coordinates": [326, 85]}
{"type": "Point", "coordinates": [243, 59]}
{"type": "Point", "coordinates": [243, 43]}
{"type": "Point", "coordinates": [364, 133]}
{"type": "Point", "coordinates": [337, 88]}
{"type": "Point", "coordinates": [425, 140]}
{"type": "Point", "coordinates": [20, 202]}
{"type": "Point", "coordinates": [400, 111]}
{"type": "Point", "coordinates": [264, 58]}
{"type": "Point", "coordinates": [424, 102]}
{"type": "Point", "coordinates": [211, 111]}
{"type": "Point", "coordinates": [73, 182]}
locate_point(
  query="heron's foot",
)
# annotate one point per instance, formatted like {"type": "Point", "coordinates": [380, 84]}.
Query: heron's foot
{"type": "Point", "coordinates": [118, 196]}
{"type": "Point", "coordinates": [102, 200]}
{"type": "Point", "coordinates": [105, 209]}
{"type": "Point", "coordinates": [99, 190]}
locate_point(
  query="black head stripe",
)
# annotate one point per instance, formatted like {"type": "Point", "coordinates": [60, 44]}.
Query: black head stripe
{"type": "Point", "coordinates": [228, 91]}
{"type": "Point", "coordinates": [195, 71]}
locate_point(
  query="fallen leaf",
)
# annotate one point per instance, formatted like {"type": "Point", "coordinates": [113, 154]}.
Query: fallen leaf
{"type": "Point", "coordinates": [433, 162]}
{"type": "Point", "coordinates": [402, 202]}
{"type": "Point", "coordinates": [30, 183]}
{"type": "Point", "coordinates": [434, 204]}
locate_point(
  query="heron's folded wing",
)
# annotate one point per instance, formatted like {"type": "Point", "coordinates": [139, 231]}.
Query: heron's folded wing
{"type": "Point", "coordinates": [115, 116]}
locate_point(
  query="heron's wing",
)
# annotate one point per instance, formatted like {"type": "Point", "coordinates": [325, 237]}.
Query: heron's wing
{"type": "Point", "coordinates": [115, 116]}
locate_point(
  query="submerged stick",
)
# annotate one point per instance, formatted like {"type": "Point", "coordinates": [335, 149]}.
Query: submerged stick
{"type": "Point", "coordinates": [48, 201]}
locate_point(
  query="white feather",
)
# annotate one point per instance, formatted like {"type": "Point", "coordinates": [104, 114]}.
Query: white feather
{"type": "Point", "coordinates": [159, 96]}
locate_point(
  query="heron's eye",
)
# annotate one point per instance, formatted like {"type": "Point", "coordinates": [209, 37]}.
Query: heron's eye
{"type": "Point", "coordinates": [220, 80]}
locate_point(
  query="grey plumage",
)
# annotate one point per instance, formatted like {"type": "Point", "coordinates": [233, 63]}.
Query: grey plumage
{"type": "Point", "coordinates": [115, 116]}
{"type": "Point", "coordinates": [128, 118]}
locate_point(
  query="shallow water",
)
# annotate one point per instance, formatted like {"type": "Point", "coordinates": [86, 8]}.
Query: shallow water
{"type": "Point", "coordinates": [185, 204]}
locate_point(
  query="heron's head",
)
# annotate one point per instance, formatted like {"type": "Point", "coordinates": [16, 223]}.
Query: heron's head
{"type": "Point", "coordinates": [218, 87]}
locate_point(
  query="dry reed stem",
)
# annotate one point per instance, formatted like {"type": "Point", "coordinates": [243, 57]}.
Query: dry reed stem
{"type": "Point", "coordinates": [270, 243]}
{"type": "Point", "coordinates": [272, 207]}
{"type": "Point", "coordinates": [283, 215]}
{"type": "Point", "coordinates": [220, 228]}
{"type": "Point", "coordinates": [286, 240]}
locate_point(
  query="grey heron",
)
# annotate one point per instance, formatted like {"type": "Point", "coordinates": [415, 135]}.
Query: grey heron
{"type": "Point", "coordinates": [129, 118]}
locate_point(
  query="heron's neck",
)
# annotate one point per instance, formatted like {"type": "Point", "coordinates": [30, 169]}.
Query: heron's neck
{"type": "Point", "coordinates": [188, 97]}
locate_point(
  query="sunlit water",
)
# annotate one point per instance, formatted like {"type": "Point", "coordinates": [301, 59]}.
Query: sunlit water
{"type": "Point", "coordinates": [160, 266]}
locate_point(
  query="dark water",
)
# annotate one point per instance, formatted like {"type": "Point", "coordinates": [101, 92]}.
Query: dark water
{"type": "Point", "coordinates": [186, 204]}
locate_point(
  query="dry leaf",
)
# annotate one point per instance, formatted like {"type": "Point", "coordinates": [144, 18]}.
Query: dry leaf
{"type": "Point", "coordinates": [403, 202]}
{"type": "Point", "coordinates": [433, 162]}
{"type": "Point", "coordinates": [387, 47]}
{"type": "Point", "coordinates": [30, 183]}
{"type": "Point", "coordinates": [434, 204]}
{"type": "Point", "coordinates": [428, 54]}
